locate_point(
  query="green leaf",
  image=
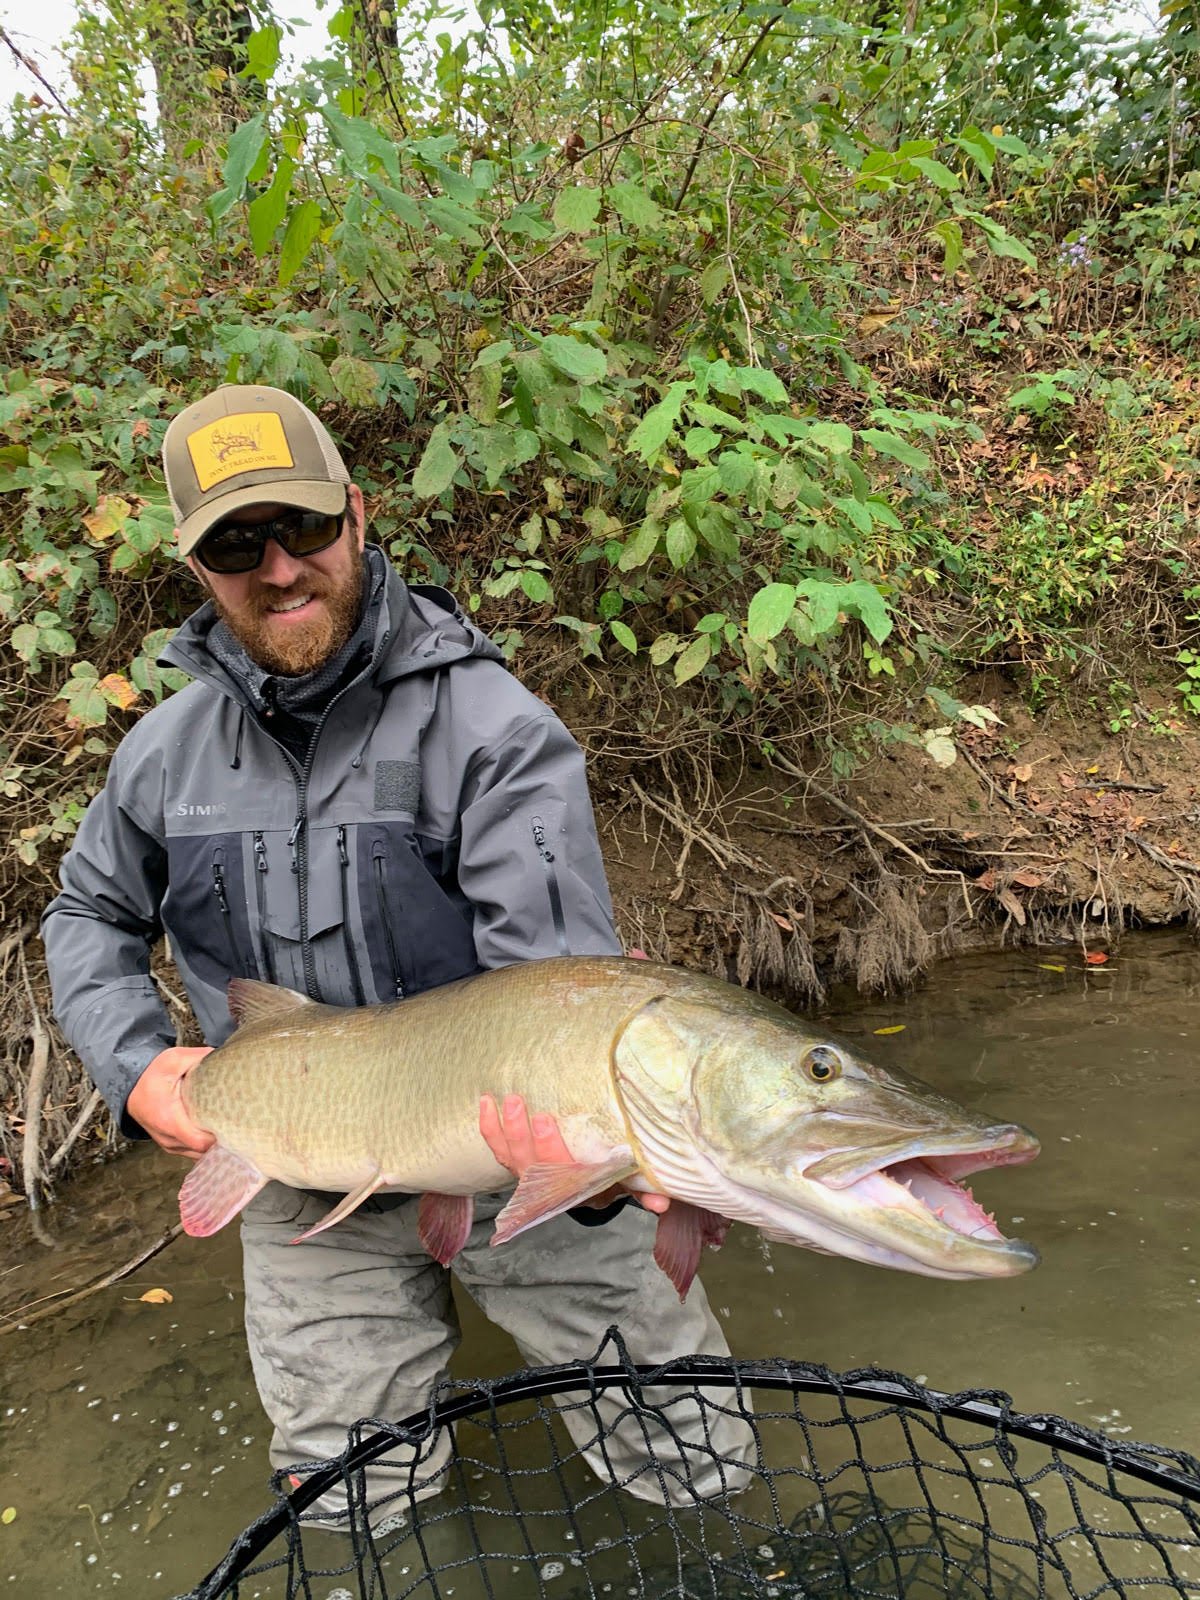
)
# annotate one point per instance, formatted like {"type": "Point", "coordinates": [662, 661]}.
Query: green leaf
{"type": "Point", "coordinates": [761, 381]}
{"type": "Point", "coordinates": [303, 226]}
{"type": "Point", "coordinates": [262, 53]}
{"type": "Point", "coordinates": [694, 659]}
{"type": "Point", "coordinates": [355, 380]}
{"type": "Point", "coordinates": [243, 150]}
{"type": "Point", "coordinates": [700, 442]}
{"type": "Point", "coordinates": [713, 279]}
{"type": "Point", "coordinates": [455, 220]}
{"type": "Point", "coordinates": [864, 601]}
{"type": "Point", "coordinates": [641, 547]}
{"type": "Point", "coordinates": [24, 640]}
{"type": "Point", "coordinates": [267, 211]}
{"type": "Point", "coordinates": [535, 585]}
{"type": "Point", "coordinates": [631, 202]}
{"type": "Point", "coordinates": [680, 543]}
{"type": "Point", "coordinates": [663, 648]}
{"type": "Point", "coordinates": [402, 206]}
{"type": "Point", "coordinates": [983, 155]}
{"type": "Point", "coordinates": [576, 210]}
{"type": "Point", "coordinates": [937, 174]}
{"type": "Point", "coordinates": [577, 360]}
{"type": "Point", "coordinates": [437, 466]}
{"type": "Point", "coordinates": [624, 635]}
{"type": "Point", "coordinates": [771, 611]}
{"type": "Point", "coordinates": [652, 432]}
{"type": "Point", "coordinates": [951, 238]}
{"type": "Point", "coordinates": [835, 437]}
{"type": "Point", "coordinates": [888, 444]}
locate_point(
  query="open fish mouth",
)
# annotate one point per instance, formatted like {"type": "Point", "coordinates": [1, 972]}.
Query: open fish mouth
{"type": "Point", "coordinates": [927, 1182]}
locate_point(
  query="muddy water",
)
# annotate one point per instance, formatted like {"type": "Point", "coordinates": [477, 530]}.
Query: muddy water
{"type": "Point", "coordinates": [133, 1444]}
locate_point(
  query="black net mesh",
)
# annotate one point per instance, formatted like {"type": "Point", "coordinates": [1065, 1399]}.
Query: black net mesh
{"type": "Point", "coordinates": [723, 1480]}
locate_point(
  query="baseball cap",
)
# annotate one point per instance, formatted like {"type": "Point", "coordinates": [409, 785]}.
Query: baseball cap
{"type": "Point", "coordinates": [243, 445]}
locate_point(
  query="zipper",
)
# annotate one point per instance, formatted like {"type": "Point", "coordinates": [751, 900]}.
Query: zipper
{"type": "Point", "coordinates": [541, 845]}
{"type": "Point", "coordinates": [260, 894]}
{"type": "Point", "coordinates": [299, 834]}
{"type": "Point", "coordinates": [347, 931]}
{"type": "Point", "coordinates": [218, 879]}
{"type": "Point", "coordinates": [379, 862]}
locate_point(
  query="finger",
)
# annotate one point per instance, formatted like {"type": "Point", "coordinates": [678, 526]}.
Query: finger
{"type": "Point", "coordinates": [658, 1203]}
{"type": "Point", "coordinates": [489, 1126]}
{"type": "Point", "coordinates": [517, 1131]}
{"type": "Point", "coordinates": [548, 1143]}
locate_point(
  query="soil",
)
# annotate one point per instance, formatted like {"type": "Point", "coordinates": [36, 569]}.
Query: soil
{"type": "Point", "coordinates": [1042, 830]}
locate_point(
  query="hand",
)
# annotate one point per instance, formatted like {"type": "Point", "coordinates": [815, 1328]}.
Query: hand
{"type": "Point", "coordinates": [519, 1140]}
{"type": "Point", "coordinates": [155, 1102]}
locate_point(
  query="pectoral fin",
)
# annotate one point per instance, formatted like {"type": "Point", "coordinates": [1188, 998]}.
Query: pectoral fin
{"type": "Point", "coordinates": [215, 1190]}
{"type": "Point", "coordinates": [547, 1191]}
{"type": "Point", "coordinates": [444, 1224]}
{"type": "Point", "coordinates": [682, 1233]}
{"type": "Point", "coordinates": [344, 1207]}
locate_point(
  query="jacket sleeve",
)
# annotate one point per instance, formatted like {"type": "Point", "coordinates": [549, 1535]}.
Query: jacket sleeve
{"type": "Point", "coordinates": [98, 933]}
{"type": "Point", "coordinates": [530, 860]}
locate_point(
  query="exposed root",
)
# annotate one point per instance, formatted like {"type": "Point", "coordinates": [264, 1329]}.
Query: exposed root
{"type": "Point", "coordinates": [891, 947]}
{"type": "Point", "coordinates": [775, 946]}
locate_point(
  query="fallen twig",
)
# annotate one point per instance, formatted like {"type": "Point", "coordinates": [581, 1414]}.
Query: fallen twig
{"type": "Point", "coordinates": [35, 1097]}
{"type": "Point", "coordinates": [76, 1128]}
{"type": "Point", "coordinates": [17, 1319]}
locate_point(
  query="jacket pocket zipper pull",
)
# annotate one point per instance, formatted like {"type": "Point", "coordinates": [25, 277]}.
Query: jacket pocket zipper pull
{"type": "Point", "coordinates": [219, 888]}
{"type": "Point", "coordinates": [292, 838]}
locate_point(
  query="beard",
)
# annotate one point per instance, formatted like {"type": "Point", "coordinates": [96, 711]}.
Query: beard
{"type": "Point", "coordinates": [301, 649]}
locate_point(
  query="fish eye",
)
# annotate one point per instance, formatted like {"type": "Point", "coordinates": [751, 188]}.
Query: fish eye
{"type": "Point", "coordinates": [822, 1064]}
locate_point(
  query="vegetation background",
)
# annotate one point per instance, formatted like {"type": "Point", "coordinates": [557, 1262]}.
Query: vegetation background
{"type": "Point", "coordinates": [804, 395]}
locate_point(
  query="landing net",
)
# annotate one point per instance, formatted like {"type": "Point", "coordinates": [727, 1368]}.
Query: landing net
{"type": "Point", "coordinates": [860, 1486]}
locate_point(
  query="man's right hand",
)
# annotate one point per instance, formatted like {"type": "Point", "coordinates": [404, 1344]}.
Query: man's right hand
{"type": "Point", "coordinates": [156, 1104]}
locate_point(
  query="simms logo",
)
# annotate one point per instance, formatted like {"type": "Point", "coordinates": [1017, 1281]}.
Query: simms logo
{"type": "Point", "coordinates": [217, 809]}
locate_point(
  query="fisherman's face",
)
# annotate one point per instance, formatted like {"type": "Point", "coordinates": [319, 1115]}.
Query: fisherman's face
{"type": "Point", "coordinates": [291, 613]}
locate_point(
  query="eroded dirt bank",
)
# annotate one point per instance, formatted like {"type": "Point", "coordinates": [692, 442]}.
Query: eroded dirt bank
{"type": "Point", "coordinates": [1039, 832]}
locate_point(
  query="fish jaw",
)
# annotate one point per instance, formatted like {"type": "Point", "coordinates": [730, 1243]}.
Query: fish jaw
{"type": "Point", "coordinates": [910, 1213]}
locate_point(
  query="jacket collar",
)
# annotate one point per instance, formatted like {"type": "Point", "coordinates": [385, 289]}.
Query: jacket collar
{"type": "Point", "coordinates": [418, 629]}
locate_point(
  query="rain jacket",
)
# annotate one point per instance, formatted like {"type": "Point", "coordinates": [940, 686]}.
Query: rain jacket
{"type": "Point", "coordinates": [440, 825]}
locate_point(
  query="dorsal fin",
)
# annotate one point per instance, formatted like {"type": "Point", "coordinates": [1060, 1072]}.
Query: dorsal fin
{"type": "Point", "coordinates": [251, 1001]}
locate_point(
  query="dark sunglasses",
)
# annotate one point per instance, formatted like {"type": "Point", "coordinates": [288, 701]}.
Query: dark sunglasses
{"type": "Point", "coordinates": [240, 546]}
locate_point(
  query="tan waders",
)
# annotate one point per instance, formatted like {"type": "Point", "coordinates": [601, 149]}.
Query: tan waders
{"type": "Point", "coordinates": [359, 1322]}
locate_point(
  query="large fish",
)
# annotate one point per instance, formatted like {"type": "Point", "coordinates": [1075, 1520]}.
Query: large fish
{"type": "Point", "coordinates": [660, 1078]}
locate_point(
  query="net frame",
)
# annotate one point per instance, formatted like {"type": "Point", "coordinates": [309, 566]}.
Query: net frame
{"type": "Point", "coordinates": [920, 1412]}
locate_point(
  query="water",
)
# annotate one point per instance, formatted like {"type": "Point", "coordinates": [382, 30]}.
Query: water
{"type": "Point", "coordinates": [133, 1444]}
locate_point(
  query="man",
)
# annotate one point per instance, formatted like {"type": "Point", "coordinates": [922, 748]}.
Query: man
{"type": "Point", "coordinates": [356, 800]}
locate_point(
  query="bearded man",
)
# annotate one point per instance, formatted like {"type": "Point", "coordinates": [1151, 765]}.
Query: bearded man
{"type": "Point", "coordinates": [356, 800]}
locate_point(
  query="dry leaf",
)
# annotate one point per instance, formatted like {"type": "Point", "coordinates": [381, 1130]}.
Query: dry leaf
{"type": "Point", "coordinates": [1095, 958]}
{"type": "Point", "coordinates": [1028, 879]}
{"type": "Point", "coordinates": [897, 1027]}
{"type": "Point", "coordinates": [9, 1514]}
{"type": "Point", "coordinates": [1021, 774]}
{"type": "Point", "coordinates": [986, 880]}
{"type": "Point", "coordinates": [109, 516]}
{"type": "Point", "coordinates": [782, 921]}
{"type": "Point", "coordinates": [117, 690]}
{"type": "Point", "coordinates": [1013, 906]}
{"type": "Point", "coordinates": [1048, 966]}
{"type": "Point", "coordinates": [140, 429]}
{"type": "Point", "coordinates": [158, 1297]}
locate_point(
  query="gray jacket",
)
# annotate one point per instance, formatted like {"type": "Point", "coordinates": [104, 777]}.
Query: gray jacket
{"type": "Point", "coordinates": [440, 825]}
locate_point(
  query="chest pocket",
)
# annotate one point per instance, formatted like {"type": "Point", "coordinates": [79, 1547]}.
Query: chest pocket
{"type": "Point", "coordinates": [277, 882]}
{"type": "Point", "coordinates": [417, 937]}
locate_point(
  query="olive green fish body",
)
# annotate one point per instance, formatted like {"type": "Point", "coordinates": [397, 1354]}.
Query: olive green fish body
{"type": "Point", "coordinates": [665, 1079]}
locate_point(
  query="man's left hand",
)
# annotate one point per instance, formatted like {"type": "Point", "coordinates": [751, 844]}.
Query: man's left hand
{"type": "Point", "coordinates": [519, 1140]}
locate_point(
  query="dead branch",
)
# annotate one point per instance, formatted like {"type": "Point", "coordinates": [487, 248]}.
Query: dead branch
{"type": "Point", "coordinates": [17, 1319]}
{"type": "Point", "coordinates": [35, 1096]}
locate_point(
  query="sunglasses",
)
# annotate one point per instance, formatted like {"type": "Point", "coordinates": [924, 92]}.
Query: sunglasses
{"type": "Point", "coordinates": [240, 546]}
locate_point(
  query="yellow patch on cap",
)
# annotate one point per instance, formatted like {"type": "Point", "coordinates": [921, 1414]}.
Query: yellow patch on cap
{"type": "Point", "coordinates": [246, 442]}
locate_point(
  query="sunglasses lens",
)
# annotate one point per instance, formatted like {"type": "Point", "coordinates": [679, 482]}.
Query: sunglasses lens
{"type": "Point", "coordinates": [309, 532]}
{"type": "Point", "coordinates": [231, 549]}
{"type": "Point", "coordinates": [237, 547]}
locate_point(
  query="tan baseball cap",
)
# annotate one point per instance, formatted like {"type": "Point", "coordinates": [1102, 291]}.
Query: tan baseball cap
{"type": "Point", "coordinates": [243, 445]}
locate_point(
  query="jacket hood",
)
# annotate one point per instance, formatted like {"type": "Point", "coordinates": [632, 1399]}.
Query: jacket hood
{"type": "Point", "coordinates": [419, 628]}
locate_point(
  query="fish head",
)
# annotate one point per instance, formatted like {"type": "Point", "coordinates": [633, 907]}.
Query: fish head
{"type": "Point", "coordinates": [753, 1115]}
